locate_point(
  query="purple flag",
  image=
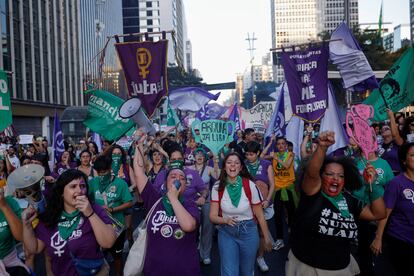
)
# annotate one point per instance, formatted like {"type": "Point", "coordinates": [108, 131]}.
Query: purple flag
{"type": "Point", "coordinates": [190, 98]}
{"type": "Point", "coordinates": [145, 70]}
{"type": "Point", "coordinates": [277, 123]}
{"type": "Point", "coordinates": [203, 113]}
{"type": "Point", "coordinates": [346, 53]}
{"type": "Point", "coordinates": [234, 116]}
{"type": "Point", "coordinates": [306, 74]}
{"type": "Point", "coordinates": [58, 145]}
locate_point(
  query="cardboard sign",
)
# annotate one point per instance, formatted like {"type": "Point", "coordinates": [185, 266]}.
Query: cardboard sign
{"type": "Point", "coordinates": [358, 128]}
{"type": "Point", "coordinates": [214, 134]}
{"type": "Point", "coordinates": [258, 114]}
{"type": "Point", "coordinates": [25, 139]}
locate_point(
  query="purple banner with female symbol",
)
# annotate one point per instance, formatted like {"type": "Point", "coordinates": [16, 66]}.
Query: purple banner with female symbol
{"type": "Point", "coordinates": [145, 70]}
{"type": "Point", "coordinates": [306, 74]}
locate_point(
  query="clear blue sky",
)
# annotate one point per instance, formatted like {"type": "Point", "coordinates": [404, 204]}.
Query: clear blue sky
{"type": "Point", "coordinates": [218, 29]}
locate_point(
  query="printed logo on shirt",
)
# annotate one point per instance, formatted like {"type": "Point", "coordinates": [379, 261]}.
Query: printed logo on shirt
{"type": "Point", "coordinates": [58, 243]}
{"type": "Point", "coordinates": [3, 226]}
{"type": "Point", "coordinates": [159, 219]}
{"type": "Point", "coordinates": [333, 224]}
{"type": "Point", "coordinates": [112, 189]}
{"type": "Point", "coordinates": [409, 194]}
{"type": "Point", "coordinates": [166, 231]}
{"type": "Point", "coordinates": [259, 170]}
{"type": "Point", "coordinates": [179, 234]}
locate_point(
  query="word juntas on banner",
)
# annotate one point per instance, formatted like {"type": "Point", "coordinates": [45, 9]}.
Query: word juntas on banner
{"type": "Point", "coordinates": [358, 128]}
{"type": "Point", "coordinates": [214, 134]}
{"type": "Point", "coordinates": [397, 87]}
{"type": "Point", "coordinates": [260, 114]}
{"type": "Point", "coordinates": [103, 115]}
{"type": "Point", "coordinates": [5, 104]}
{"type": "Point", "coordinates": [306, 74]}
{"type": "Point", "coordinates": [145, 70]}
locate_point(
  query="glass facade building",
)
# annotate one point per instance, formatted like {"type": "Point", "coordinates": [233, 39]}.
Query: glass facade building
{"type": "Point", "coordinates": [41, 51]}
{"type": "Point", "coordinates": [98, 20]}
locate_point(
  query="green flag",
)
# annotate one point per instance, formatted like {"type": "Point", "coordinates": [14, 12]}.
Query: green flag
{"type": "Point", "coordinates": [172, 118]}
{"type": "Point", "coordinates": [5, 105]}
{"type": "Point", "coordinates": [397, 87]}
{"type": "Point", "coordinates": [103, 115]}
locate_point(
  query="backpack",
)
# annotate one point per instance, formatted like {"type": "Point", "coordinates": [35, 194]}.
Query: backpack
{"type": "Point", "coordinates": [247, 191]}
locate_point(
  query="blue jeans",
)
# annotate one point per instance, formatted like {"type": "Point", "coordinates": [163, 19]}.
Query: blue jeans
{"type": "Point", "coordinates": [238, 247]}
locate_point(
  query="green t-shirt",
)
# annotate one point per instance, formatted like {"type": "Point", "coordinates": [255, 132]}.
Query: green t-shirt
{"type": "Point", "coordinates": [384, 176]}
{"type": "Point", "coordinates": [7, 241]}
{"type": "Point", "coordinates": [116, 193]}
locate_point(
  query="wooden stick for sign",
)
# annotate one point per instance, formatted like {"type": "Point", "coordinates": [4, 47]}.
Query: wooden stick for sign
{"type": "Point", "coordinates": [303, 44]}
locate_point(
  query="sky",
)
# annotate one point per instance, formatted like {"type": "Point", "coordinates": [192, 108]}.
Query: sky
{"type": "Point", "coordinates": [218, 30]}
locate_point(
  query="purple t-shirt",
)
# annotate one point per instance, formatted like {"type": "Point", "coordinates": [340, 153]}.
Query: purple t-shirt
{"type": "Point", "coordinates": [82, 244]}
{"type": "Point", "coordinates": [194, 183]}
{"type": "Point", "coordinates": [391, 156]}
{"type": "Point", "coordinates": [399, 196]}
{"type": "Point", "coordinates": [170, 250]}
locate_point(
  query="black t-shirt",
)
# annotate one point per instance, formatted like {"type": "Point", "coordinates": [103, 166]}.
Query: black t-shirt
{"type": "Point", "coordinates": [320, 236]}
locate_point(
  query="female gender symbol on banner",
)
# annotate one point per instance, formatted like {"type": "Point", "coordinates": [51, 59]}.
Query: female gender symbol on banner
{"type": "Point", "coordinates": [214, 134]}
{"type": "Point", "coordinates": [358, 128]}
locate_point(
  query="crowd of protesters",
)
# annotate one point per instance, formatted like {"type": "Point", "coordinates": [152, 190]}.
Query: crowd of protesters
{"type": "Point", "coordinates": [335, 212]}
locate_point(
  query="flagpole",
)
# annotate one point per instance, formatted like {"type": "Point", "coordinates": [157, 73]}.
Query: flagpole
{"type": "Point", "coordinates": [303, 44]}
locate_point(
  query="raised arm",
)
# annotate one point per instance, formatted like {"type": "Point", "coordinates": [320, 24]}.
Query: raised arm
{"type": "Point", "coordinates": [394, 129]}
{"type": "Point", "coordinates": [266, 149]}
{"type": "Point", "coordinates": [140, 177]}
{"type": "Point", "coordinates": [312, 181]}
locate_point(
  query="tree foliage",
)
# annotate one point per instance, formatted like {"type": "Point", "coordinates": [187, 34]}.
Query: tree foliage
{"type": "Point", "coordinates": [178, 78]}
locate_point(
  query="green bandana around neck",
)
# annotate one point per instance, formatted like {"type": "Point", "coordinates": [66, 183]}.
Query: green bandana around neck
{"type": "Point", "coordinates": [68, 223]}
{"type": "Point", "coordinates": [116, 163]}
{"type": "Point", "coordinates": [235, 190]}
{"type": "Point", "coordinates": [340, 203]}
{"type": "Point", "coordinates": [167, 205]}
{"type": "Point", "coordinates": [104, 181]}
{"type": "Point", "coordinates": [283, 156]}
{"type": "Point", "coordinates": [253, 167]}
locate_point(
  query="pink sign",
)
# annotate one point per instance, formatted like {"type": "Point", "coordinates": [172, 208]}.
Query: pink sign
{"type": "Point", "coordinates": [358, 128]}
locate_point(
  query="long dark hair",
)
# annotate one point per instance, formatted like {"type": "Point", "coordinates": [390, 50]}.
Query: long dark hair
{"type": "Point", "coordinates": [54, 203]}
{"type": "Point", "coordinates": [406, 127]}
{"type": "Point", "coordinates": [352, 176]}
{"type": "Point", "coordinates": [123, 153]}
{"type": "Point", "coordinates": [223, 175]}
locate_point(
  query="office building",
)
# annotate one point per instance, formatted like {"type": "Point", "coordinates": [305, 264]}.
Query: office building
{"type": "Point", "coordinates": [412, 20]}
{"type": "Point", "coordinates": [41, 50]}
{"type": "Point", "coordinates": [301, 21]}
{"type": "Point", "coordinates": [98, 20]}
{"type": "Point", "coordinates": [140, 16]}
{"type": "Point", "coordinates": [399, 38]}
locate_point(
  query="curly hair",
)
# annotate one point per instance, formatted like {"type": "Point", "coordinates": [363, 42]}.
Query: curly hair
{"type": "Point", "coordinates": [54, 203]}
{"type": "Point", "coordinates": [353, 179]}
{"type": "Point", "coordinates": [223, 175]}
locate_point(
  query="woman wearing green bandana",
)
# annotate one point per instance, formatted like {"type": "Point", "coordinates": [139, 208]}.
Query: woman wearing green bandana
{"type": "Point", "coordinates": [172, 226]}
{"type": "Point", "coordinates": [325, 223]}
{"type": "Point", "coordinates": [72, 230]}
{"type": "Point", "coordinates": [237, 208]}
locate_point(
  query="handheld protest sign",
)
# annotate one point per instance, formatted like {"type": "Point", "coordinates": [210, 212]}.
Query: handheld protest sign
{"type": "Point", "coordinates": [358, 128]}
{"type": "Point", "coordinates": [213, 134]}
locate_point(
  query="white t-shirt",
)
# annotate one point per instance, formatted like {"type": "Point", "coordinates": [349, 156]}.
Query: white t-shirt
{"type": "Point", "coordinates": [243, 211]}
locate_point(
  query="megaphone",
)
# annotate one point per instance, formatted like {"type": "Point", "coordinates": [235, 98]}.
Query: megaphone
{"type": "Point", "coordinates": [28, 180]}
{"type": "Point", "coordinates": [131, 109]}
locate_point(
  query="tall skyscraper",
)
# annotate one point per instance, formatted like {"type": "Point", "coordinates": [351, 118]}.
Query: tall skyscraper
{"type": "Point", "coordinates": [140, 16]}
{"type": "Point", "coordinates": [301, 21]}
{"type": "Point", "coordinates": [41, 50]}
{"type": "Point", "coordinates": [98, 20]}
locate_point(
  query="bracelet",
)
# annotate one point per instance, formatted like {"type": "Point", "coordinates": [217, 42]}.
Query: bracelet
{"type": "Point", "coordinates": [93, 212]}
